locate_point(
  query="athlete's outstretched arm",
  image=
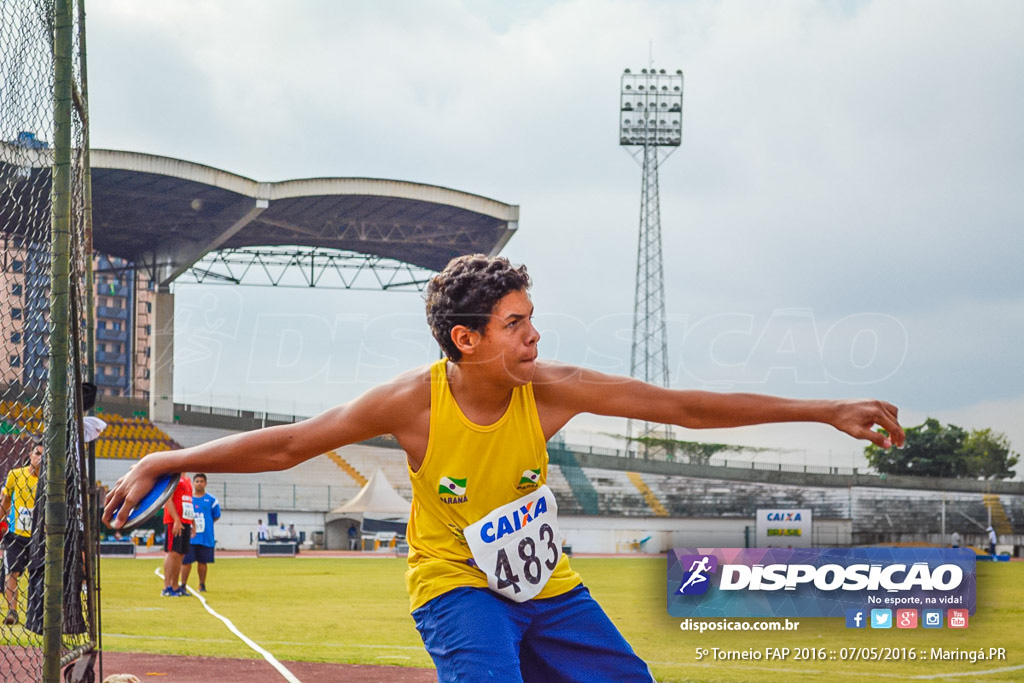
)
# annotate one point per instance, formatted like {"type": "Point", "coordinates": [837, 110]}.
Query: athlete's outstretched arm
{"type": "Point", "coordinates": [565, 391]}
{"type": "Point", "coordinates": [275, 448]}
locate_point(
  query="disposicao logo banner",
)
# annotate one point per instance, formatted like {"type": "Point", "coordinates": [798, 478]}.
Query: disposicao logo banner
{"type": "Point", "coordinates": [817, 582]}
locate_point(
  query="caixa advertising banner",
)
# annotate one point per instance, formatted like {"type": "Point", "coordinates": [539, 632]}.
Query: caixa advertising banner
{"type": "Point", "coordinates": [817, 582]}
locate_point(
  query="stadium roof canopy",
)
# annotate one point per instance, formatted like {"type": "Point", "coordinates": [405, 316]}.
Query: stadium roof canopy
{"type": "Point", "coordinates": [167, 214]}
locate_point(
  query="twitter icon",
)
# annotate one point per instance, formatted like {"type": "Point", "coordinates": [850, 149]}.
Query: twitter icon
{"type": "Point", "coordinates": [881, 618]}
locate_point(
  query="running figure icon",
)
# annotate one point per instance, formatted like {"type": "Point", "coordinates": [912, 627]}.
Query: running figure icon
{"type": "Point", "coordinates": [697, 573]}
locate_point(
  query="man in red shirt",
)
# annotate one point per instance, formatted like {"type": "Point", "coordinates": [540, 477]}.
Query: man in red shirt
{"type": "Point", "coordinates": [178, 515]}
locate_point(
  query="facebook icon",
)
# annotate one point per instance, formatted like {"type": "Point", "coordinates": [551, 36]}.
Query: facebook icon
{"type": "Point", "coordinates": [856, 618]}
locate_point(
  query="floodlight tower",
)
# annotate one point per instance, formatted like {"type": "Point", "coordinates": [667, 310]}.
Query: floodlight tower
{"type": "Point", "coordinates": [651, 125]}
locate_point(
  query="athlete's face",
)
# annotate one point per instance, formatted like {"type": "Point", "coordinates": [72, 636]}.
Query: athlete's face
{"type": "Point", "coordinates": [509, 341]}
{"type": "Point", "coordinates": [35, 459]}
{"type": "Point", "coordinates": [199, 485]}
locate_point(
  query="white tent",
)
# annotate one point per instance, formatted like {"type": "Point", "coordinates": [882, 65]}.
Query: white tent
{"type": "Point", "coordinates": [377, 506]}
{"type": "Point", "coordinates": [378, 499]}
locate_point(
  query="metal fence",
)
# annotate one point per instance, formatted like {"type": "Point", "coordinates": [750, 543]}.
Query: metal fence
{"type": "Point", "coordinates": [49, 612]}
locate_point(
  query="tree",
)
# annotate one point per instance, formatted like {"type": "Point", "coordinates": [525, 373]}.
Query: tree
{"type": "Point", "coordinates": [989, 455]}
{"type": "Point", "coordinates": [933, 450]}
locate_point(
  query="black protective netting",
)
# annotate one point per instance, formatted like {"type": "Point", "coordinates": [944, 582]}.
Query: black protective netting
{"type": "Point", "coordinates": [28, 334]}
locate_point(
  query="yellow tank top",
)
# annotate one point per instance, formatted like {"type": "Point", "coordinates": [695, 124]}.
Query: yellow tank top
{"type": "Point", "coordinates": [21, 487]}
{"type": "Point", "coordinates": [467, 471]}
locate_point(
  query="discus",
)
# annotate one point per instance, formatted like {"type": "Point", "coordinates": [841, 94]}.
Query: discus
{"type": "Point", "coordinates": [163, 489]}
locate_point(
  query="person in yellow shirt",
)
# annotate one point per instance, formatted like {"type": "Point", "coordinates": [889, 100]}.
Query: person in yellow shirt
{"type": "Point", "coordinates": [490, 591]}
{"type": "Point", "coordinates": [17, 501]}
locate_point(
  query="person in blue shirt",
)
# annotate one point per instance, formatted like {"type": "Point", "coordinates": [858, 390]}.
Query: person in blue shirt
{"type": "Point", "coordinates": [207, 511]}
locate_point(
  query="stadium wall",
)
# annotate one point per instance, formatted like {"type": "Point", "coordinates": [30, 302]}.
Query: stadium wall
{"type": "Point", "coordinates": [656, 535]}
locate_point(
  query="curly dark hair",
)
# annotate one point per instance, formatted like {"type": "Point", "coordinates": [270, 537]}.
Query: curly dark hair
{"type": "Point", "coordinates": [465, 293]}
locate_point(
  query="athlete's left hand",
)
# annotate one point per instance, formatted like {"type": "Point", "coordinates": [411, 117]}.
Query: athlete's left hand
{"type": "Point", "coordinates": [858, 418]}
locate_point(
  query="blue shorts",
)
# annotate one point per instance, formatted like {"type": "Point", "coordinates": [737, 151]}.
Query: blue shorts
{"type": "Point", "coordinates": [203, 554]}
{"type": "Point", "coordinates": [473, 634]}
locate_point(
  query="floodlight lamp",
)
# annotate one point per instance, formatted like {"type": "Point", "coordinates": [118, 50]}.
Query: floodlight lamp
{"type": "Point", "coordinates": [678, 71]}
{"type": "Point", "coordinates": [626, 71]}
{"type": "Point", "coordinates": [643, 71]}
{"type": "Point", "coordinates": [662, 71]}
{"type": "Point", "coordinates": [629, 87]}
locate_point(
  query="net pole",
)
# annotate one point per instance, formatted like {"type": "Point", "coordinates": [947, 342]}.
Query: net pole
{"type": "Point", "coordinates": [89, 300]}
{"type": "Point", "coordinates": [91, 497]}
{"type": "Point", "coordinates": [60, 283]}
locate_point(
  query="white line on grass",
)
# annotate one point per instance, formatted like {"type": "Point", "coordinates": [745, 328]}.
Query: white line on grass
{"type": "Point", "coordinates": [271, 659]}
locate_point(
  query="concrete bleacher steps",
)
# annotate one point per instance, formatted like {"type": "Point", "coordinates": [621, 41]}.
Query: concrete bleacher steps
{"type": "Point", "coordinates": [346, 467]}
{"type": "Point", "coordinates": [583, 490]}
{"type": "Point", "coordinates": [649, 497]}
{"type": "Point", "coordinates": [17, 417]}
{"type": "Point", "coordinates": [131, 438]}
{"type": "Point", "coordinates": [616, 492]}
{"type": "Point", "coordinates": [697, 497]}
{"type": "Point", "coordinates": [997, 513]}
{"type": "Point", "coordinates": [567, 503]}
{"type": "Point", "coordinates": [883, 513]}
{"type": "Point", "coordinates": [366, 459]}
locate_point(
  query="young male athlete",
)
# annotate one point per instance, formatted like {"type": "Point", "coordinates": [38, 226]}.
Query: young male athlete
{"type": "Point", "coordinates": [206, 509]}
{"type": "Point", "coordinates": [491, 593]}
{"type": "Point", "coordinates": [178, 516]}
{"type": "Point", "coordinates": [17, 501]}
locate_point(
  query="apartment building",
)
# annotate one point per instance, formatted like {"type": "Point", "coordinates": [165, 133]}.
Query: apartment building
{"type": "Point", "coordinates": [123, 301]}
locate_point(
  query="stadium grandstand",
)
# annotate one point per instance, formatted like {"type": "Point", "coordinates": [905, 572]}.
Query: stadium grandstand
{"type": "Point", "coordinates": [131, 438]}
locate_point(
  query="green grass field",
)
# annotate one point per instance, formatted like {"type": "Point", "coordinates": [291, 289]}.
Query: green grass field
{"type": "Point", "coordinates": [355, 610]}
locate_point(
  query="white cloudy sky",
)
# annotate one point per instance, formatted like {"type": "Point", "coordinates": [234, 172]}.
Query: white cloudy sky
{"type": "Point", "coordinates": [844, 217]}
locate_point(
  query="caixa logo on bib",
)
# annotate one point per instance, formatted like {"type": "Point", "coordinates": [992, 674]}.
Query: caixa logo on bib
{"type": "Point", "coordinates": [816, 582]}
{"type": "Point", "coordinates": [507, 524]}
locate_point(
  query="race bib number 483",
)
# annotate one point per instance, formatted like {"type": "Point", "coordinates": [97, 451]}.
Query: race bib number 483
{"type": "Point", "coordinates": [518, 545]}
